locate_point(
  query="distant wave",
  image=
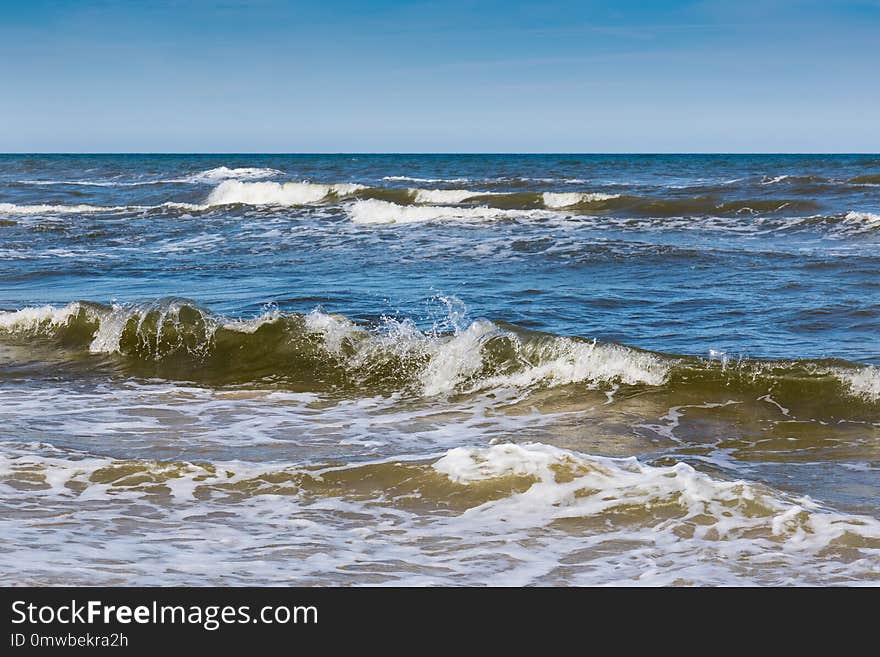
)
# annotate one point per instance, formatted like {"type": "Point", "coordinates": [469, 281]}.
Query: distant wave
{"type": "Point", "coordinates": [444, 195]}
{"type": "Point", "coordinates": [208, 176]}
{"type": "Point", "coordinates": [862, 221]}
{"type": "Point", "coordinates": [869, 179]}
{"type": "Point", "coordinates": [365, 204]}
{"type": "Point", "coordinates": [225, 173]}
{"type": "Point", "coordinates": [374, 211]}
{"type": "Point", "coordinates": [571, 199]}
{"type": "Point", "coordinates": [793, 179]}
{"type": "Point", "coordinates": [272, 193]}
{"type": "Point", "coordinates": [59, 208]}
{"type": "Point", "coordinates": [592, 202]}
{"type": "Point", "coordinates": [372, 206]}
{"type": "Point", "coordinates": [425, 180]}
{"type": "Point", "coordinates": [46, 208]}
{"type": "Point", "coordinates": [89, 183]}
{"type": "Point", "coordinates": [305, 193]}
{"type": "Point", "coordinates": [792, 182]}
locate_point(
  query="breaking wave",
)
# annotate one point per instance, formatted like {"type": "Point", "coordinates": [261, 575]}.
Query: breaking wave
{"type": "Point", "coordinates": [177, 339]}
{"type": "Point", "coordinates": [303, 193]}
{"type": "Point", "coordinates": [46, 208]}
{"type": "Point", "coordinates": [272, 193]}
{"type": "Point", "coordinates": [445, 195]}
{"type": "Point", "coordinates": [571, 199]}
{"type": "Point", "coordinates": [526, 513]}
{"type": "Point", "coordinates": [374, 211]}
{"type": "Point", "coordinates": [592, 203]}
{"type": "Point", "coordinates": [225, 173]}
{"type": "Point", "coordinates": [862, 221]}
{"type": "Point", "coordinates": [379, 205]}
{"type": "Point", "coordinates": [571, 485]}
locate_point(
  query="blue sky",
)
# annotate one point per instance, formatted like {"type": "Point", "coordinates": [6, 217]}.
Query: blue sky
{"type": "Point", "coordinates": [394, 76]}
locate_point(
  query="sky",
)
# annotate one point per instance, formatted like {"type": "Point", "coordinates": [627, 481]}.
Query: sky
{"type": "Point", "coordinates": [441, 76]}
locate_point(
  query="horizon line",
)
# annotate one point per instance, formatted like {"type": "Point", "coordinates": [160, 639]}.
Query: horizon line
{"type": "Point", "coordinates": [385, 153]}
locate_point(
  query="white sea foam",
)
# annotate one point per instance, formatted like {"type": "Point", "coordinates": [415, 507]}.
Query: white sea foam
{"type": "Point", "coordinates": [109, 333]}
{"type": "Point", "coordinates": [862, 221]}
{"type": "Point", "coordinates": [775, 179]}
{"type": "Point", "coordinates": [225, 173]}
{"type": "Point", "coordinates": [44, 208]}
{"type": "Point", "coordinates": [562, 361]}
{"type": "Point", "coordinates": [444, 195]}
{"type": "Point", "coordinates": [571, 485]}
{"type": "Point", "coordinates": [467, 465]}
{"type": "Point", "coordinates": [456, 359]}
{"type": "Point", "coordinates": [568, 199]}
{"type": "Point", "coordinates": [456, 363]}
{"type": "Point", "coordinates": [425, 180]}
{"type": "Point", "coordinates": [563, 517]}
{"type": "Point", "coordinates": [253, 324]}
{"type": "Point", "coordinates": [33, 319]}
{"type": "Point", "coordinates": [88, 183]}
{"type": "Point", "coordinates": [335, 329]}
{"type": "Point", "coordinates": [272, 193]}
{"type": "Point", "coordinates": [374, 211]}
{"type": "Point", "coordinates": [863, 382]}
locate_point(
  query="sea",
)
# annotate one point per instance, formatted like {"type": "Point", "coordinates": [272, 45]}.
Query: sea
{"type": "Point", "coordinates": [506, 370]}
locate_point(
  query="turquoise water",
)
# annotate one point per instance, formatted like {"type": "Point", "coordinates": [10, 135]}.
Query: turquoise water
{"type": "Point", "coordinates": [503, 369]}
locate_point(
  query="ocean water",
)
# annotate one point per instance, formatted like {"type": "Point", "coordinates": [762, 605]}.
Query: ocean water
{"type": "Point", "coordinates": [438, 369]}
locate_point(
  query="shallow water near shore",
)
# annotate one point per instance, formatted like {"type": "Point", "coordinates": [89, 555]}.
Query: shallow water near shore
{"type": "Point", "coordinates": [438, 369]}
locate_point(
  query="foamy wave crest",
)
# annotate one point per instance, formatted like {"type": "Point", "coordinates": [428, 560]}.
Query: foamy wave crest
{"type": "Point", "coordinates": [12, 208]}
{"type": "Point", "coordinates": [680, 503]}
{"type": "Point", "coordinates": [864, 382]}
{"type": "Point", "coordinates": [177, 339]}
{"type": "Point", "coordinates": [88, 183]}
{"type": "Point", "coordinates": [445, 195]}
{"type": "Point", "coordinates": [272, 193]}
{"type": "Point", "coordinates": [862, 221]}
{"type": "Point", "coordinates": [771, 180]}
{"type": "Point", "coordinates": [425, 180]}
{"type": "Point", "coordinates": [516, 514]}
{"type": "Point", "coordinates": [460, 363]}
{"type": "Point", "coordinates": [569, 199]}
{"type": "Point", "coordinates": [374, 211]}
{"type": "Point", "coordinates": [225, 173]}
{"type": "Point", "coordinates": [30, 320]}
